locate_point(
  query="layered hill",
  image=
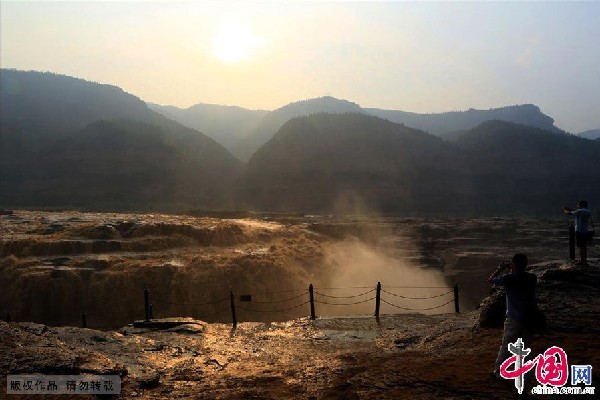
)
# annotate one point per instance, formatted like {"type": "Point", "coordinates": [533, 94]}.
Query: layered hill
{"type": "Point", "coordinates": [244, 131]}
{"type": "Point", "coordinates": [274, 120]}
{"type": "Point", "coordinates": [341, 162]}
{"type": "Point", "coordinates": [46, 103]}
{"type": "Point", "coordinates": [513, 165]}
{"type": "Point", "coordinates": [230, 126]}
{"type": "Point", "coordinates": [69, 143]}
{"type": "Point", "coordinates": [443, 124]}
{"type": "Point", "coordinates": [66, 142]}
{"type": "Point", "coordinates": [593, 134]}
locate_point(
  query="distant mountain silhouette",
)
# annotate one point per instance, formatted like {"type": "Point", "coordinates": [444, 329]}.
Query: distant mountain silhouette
{"type": "Point", "coordinates": [69, 143]}
{"type": "Point", "coordinates": [244, 131]}
{"type": "Point", "coordinates": [274, 120]}
{"type": "Point", "coordinates": [340, 162]}
{"type": "Point", "coordinates": [443, 124]}
{"type": "Point", "coordinates": [228, 125]}
{"type": "Point", "coordinates": [45, 102]}
{"type": "Point", "coordinates": [517, 165]}
{"type": "Point", "coordinates": [592, 134]}
{"type": "Point", "coordinates": [66, 142]}
{"type": "Point", "coordinates": [323, 162]}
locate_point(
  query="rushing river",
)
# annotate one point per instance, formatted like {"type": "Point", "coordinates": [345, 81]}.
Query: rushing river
{"type": "Point", "coordinates": [56, 266]}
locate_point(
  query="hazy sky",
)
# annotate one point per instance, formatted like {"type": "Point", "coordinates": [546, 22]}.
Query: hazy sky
{"type": "Point", "coordinates": [411, 56]}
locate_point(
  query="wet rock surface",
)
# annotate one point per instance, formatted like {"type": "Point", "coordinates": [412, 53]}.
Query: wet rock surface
{"type": "Point", "coordinates": [99, 263]}
{"type": "Point", "coordinates": [185, 260]}
{"type": "Point", "coordinates": [355, 357]}
{"type": "Point", "coordinates": [69, 258]}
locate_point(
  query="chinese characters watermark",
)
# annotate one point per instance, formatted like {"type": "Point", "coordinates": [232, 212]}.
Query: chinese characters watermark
{"type": "Point", "coordinates": [63, 384]}
{"type": "Point", "coordinates": [551, 371]}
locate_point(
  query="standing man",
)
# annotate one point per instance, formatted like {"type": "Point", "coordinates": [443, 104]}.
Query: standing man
{"type": "Point", "coordinates": [583, 217]}
{"type": "Point", "coordinates": [520, 304]}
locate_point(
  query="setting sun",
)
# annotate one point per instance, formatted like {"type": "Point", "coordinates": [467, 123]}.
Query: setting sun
{"type": "Point", "coordinates": [234, 42]}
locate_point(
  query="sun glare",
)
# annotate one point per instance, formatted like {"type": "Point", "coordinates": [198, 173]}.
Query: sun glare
{"type": "Point", "coordinates": [234, 42]}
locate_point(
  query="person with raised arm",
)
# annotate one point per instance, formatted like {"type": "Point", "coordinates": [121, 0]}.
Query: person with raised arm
{"type": "Point", "coordinates": [583, 217]}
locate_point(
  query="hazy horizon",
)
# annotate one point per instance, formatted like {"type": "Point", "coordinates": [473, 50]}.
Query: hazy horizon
{"type": "Point", "coordinates": [413, 56]}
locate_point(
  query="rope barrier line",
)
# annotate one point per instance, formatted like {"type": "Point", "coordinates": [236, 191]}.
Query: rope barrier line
{"type": "Point", "coordinates": [311, 294]}
{"type": "Point", "coordinates": [273, 311]}
{"type": "Point", "coordinates": [417, 298]}
{"type": "Point", "coordinates": [155, 291]}
{"type": "Point", "coordinates": [344, 304]}
{"type": "Point", "coordinates": [342, 288]}
{"type": "Point", "coordinates": [344, 297]}
{"type": "Point", "coordinates": [418, 287]}
{"type": "Point", "coordinates": [281, 301]}
{"type": "Point", "coordinates": [417, 309]}
{"type": "Point", "coordinates": [285, 291]}
{"type": "Point", "coordinates": [188, 304]}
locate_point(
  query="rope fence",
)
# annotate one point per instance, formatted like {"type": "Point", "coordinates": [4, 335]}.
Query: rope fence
{"type": "Point", "coordinates": [345, 297]}
{"type": "Point", "coordinates": [316, 296]}
{"type": "Point", "coordinates": [319, 297]}
{"type": "Point", "coordinates": [209, 303]}
{"type": "Point", "coordinates": [345, 304]}
{"type": "Point", "coordinates": [281, 301]}
{"type": "Point", "coordinates": [279, 310]}
{"type": "Point", "coordinates": [417, 298]}
{"type": "Point", "coordinates": [417, 309]}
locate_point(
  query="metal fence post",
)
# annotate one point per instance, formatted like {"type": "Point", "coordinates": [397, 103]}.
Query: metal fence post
{"type": "Point", "coordinates": [377, 299]}
{"type": "Point", "coordinates": [83, 320]}
{"type": "Point", "coordinates": [456, 308]}
{"type": "Point", "coordinates": [146, 305]}
{"type": "Point", "coordinates": [312, 301]}
{"type": "Point", "coordinates": [233, 317]}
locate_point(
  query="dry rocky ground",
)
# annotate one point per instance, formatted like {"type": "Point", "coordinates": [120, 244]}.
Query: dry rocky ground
{"type": "Point", "coordinates": [404, 356]}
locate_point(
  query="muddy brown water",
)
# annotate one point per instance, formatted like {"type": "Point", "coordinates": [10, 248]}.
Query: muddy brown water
{"type": "Point", "coordinates": [56, 266]}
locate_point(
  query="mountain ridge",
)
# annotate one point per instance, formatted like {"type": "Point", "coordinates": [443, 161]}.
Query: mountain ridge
{"type": "Point", "coordinates": [108, 150]}
{"type": "Point", "coordinates": [498, 166]}
{"type": "Point", "coordinates": [74, 143]}
{"type": "Point", "coordinates": [444, 123]}
{"type": "Point", "coordinates": [266, 124]}
{"type": "Point", "coordinates": [592, 134]}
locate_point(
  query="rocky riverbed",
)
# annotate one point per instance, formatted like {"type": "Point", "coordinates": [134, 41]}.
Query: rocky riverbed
{"type": "Point", "coordinates": [56, 265]}
{"type": "Point", "coordinates": [355, 357]}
